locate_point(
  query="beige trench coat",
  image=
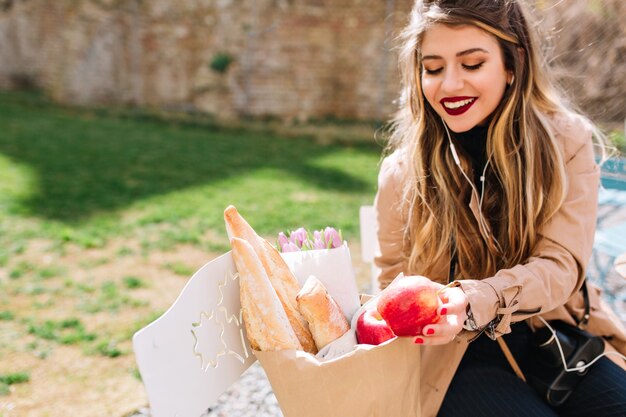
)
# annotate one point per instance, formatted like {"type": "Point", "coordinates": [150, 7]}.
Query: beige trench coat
{"type": "Point", "coordinates": [548, 283]}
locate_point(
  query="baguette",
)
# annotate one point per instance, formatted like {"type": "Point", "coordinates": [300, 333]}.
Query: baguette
{"type": "Point", "coordinates": [326, 320]}
{"type": "Point", "coordinates": [267, 326]}
{"type": "Point", "coordinates": [284, 282]}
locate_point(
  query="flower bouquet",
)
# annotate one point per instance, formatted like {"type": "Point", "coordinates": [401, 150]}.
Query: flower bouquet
{"type": "Point", "coordinates": [301, 239]}
{"type": "Point", "coordinates": [324, 254]}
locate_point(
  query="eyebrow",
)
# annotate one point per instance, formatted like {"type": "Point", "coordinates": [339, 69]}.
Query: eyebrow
{"type": "Point", "coordinates": [458, 54]}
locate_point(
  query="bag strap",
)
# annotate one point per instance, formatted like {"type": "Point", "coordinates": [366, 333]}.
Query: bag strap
{"type": "Point", "coordinates": [501, 342]}
{"type": "Point", "coordinates": [510, 358]}
{"type": "Point", "coordinates": [453, 260]}
{"type": "Point", "coordinates": [582, 323]}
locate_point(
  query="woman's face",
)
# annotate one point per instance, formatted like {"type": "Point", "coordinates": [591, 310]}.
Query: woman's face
{"type": "Point", "coordinates": [463, 74]}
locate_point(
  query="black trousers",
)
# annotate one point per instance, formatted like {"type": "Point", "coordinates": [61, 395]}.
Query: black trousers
{"type": "Point", "coordinates": [485, 385]}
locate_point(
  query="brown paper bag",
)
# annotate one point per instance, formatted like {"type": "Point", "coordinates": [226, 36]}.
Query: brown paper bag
{"type": "Point", "coordinates": [370, 381]}
{"type": "Point", "coordinates": [344, 379]}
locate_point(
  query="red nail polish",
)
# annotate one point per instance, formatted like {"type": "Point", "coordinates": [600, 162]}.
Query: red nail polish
{"type": "Point", "coordinates": [443, 311]}
{"type": "Point", "coordinates": [430, 331]}
{"type": "Point", "coordinates": [418, 341]}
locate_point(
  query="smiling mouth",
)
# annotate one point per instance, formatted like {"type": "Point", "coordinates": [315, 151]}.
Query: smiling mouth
{"type": "Point", "coordinates": [457, 105]}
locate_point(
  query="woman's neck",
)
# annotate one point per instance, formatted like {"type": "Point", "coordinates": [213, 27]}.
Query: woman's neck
{"type": "Point", "coordinates": [474, 144]}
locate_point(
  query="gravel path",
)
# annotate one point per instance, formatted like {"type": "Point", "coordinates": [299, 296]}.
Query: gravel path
{"type": "Point", "coordinates": [251, 396]}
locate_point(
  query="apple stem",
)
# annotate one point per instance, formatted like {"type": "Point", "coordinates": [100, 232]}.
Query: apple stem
{"type": "Point", "coordinates": [452, 284]}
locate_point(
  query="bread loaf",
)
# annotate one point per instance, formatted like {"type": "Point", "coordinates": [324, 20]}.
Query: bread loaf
{"type": "Point", "coordinates": [267, 326]}
{"type": "Point", "coordinates": [326, 320]}
{"type": "Point", "coordinates": [284, 282]}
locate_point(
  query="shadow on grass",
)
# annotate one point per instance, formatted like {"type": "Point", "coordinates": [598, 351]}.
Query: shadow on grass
{"type": "Point", "coordinates": [86, 163]}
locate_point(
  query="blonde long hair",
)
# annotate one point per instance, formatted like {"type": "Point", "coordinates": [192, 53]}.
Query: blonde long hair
{"type": "Point", "coordinates": [525, 184]}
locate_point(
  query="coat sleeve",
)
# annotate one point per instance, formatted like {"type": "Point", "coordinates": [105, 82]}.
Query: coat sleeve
{"type": "Point", "coordinates": [556, 269]}
{"type": "Point", "coordinates": [391, 220]}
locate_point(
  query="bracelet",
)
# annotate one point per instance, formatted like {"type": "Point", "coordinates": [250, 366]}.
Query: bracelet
{"type": "Point", "coordinates": [470, 324]}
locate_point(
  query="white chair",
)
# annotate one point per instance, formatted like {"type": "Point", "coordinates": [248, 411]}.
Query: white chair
{"type": "Point", "coordinates": [369, 242]}
{"type": "Point", "coordinates": [197, 349]}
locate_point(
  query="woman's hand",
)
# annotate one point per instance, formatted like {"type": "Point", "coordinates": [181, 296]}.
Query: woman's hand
{"type": "Point", "coordinates": [453, 314]}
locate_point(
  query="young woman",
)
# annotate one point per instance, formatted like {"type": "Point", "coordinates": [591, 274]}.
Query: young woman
{"type": "Point", "coordinates": [491, 183]}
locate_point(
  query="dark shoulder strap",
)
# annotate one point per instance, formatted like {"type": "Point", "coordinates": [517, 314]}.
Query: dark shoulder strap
{"type": "Point", "coordinates": [585, 319]}
{"type": "Point", "coordinates": [453, 260]}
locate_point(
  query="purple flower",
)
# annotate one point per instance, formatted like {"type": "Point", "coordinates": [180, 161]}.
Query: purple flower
{"type": "Point", "coordinates": [290, 247]}
{"type": "Point", "coordinates": [282, 240]}
{"type": "Point", "coordinates": [299, 236]}
{"type": "Point", "coordinates": [318, 243]}
{"type": "Point", "coordinates": [332, 238]}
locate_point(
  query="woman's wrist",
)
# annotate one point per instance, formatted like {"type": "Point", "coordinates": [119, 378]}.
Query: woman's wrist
{"type": "Point", "coordinates": [470, 324]}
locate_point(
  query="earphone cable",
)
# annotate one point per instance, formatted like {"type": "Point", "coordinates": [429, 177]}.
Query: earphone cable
{"type": "Point", "coordinates": [481, 220]}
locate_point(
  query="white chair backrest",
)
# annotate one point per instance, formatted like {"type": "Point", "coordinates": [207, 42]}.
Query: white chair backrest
{"type": "Point", "coordinates": [197, 349]}
{"type": "Point", "coordinates": [369, 242]}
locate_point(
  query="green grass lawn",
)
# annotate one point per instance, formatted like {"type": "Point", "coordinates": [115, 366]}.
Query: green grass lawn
{"type": "Point", "coordinates": [84, 176]}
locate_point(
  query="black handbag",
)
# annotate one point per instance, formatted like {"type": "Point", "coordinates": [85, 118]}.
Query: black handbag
{"type": "Point", "coordinates": [547, 374]}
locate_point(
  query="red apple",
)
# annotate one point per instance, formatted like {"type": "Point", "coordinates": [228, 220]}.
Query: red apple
{"type": "Point", "coordinates": [371, 329]}
{"type": "Point", "coordinates": [409, 305]}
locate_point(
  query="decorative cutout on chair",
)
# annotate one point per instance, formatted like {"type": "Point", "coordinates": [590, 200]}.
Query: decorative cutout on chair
{"type": "Point", "coordinates": [209, 358]}
{"type": "Point", "coordinates": [235, 341]}
{"type": "Point", "coordinates": [231, 342]}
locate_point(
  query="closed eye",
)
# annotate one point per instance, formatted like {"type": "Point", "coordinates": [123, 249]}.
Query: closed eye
{"type": "Point", "coordinates": [473, 67]}
{"type": "Point", "coordinates": [433, 71]}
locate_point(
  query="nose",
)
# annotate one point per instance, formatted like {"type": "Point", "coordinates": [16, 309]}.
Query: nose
{"type": "Point", "coordinates": [452, 80]}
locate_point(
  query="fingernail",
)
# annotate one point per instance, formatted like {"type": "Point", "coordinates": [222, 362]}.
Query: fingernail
{"type": "Point", "coordinates": [443, 311]}
{"type": "Point", "coordinates": [430, 331]}
{"type": "Point", "coordinates": [419, 341]}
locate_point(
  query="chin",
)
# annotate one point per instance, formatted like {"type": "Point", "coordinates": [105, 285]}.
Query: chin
{"type": "Point", "coordinates": [464, 122]}
{"type": "Point", "coordinates": [456, 125]}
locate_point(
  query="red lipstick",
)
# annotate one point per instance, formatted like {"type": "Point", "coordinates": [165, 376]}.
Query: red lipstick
{"type": "Point", "coordinates": [457, 105]}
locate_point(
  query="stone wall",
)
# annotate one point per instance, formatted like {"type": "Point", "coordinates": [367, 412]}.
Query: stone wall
{"type": "Point", "coordinates": [292, 59]}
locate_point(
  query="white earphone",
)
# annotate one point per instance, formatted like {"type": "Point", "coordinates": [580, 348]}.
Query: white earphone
{"type": "Point", "coordinates": [455, 156]}
{"type": "Point", "coordinates": [481, 220]}
{"type": "Point", "coordinates": [512, 80]}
